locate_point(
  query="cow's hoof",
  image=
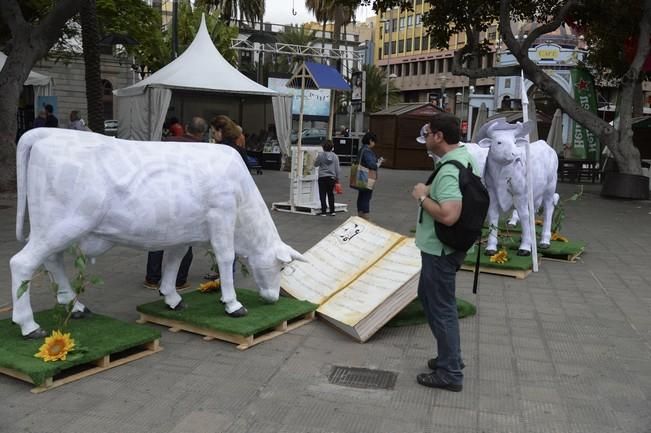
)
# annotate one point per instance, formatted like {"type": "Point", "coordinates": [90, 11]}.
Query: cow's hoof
{"type": "Point", "coordinates": [490, 252]}
{"type": "Point", "coordinates": [524, 253]}
{"type": "Point", "coordinates": [180, 306]}
{"type": "Point", "coordinates": [543, 246]}
{"type": "Point", "coordinates": [81, 314]}
{"type": "Point", "coordinates": [238, 313]}
{"type": "Point", "coordinates": [36, 334]}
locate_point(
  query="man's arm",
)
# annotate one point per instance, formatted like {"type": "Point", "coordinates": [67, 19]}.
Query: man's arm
{"type": "Point", "coordinates": [447, 213]}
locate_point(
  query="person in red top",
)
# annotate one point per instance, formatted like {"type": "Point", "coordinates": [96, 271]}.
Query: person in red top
{"type": "Point", "coordinates": [175, 128]}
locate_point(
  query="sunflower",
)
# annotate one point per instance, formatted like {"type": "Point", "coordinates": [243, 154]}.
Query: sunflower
{"type": "Point", "coordinates": [556, 236]}
{"type": "Point", "coordinates": [56, 347]}
{"type": "Point", "coordinates": [210, 286]}
{"type": "Point", "coordinates": [500, 257]}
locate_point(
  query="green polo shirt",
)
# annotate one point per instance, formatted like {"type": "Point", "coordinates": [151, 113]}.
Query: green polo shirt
{"type": "Point", "coordinates": [445, 187]}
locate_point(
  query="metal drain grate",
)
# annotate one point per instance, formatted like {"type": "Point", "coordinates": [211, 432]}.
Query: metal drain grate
{"type": "Point", "coordinates": [362, 378]}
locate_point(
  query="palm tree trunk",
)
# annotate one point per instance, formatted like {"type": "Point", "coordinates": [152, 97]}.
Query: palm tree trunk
{"type": "Point", "coordinates": [94, 90]}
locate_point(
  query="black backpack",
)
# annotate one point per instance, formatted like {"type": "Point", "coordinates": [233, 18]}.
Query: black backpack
{"type": "Point", "coordinates": [474, 207]}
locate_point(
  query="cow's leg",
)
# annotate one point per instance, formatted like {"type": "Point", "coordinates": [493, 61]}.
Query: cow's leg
{"type": "Point", "coordinates": [172, 258]}
{"type": "Point", "coordinates": [548, 213]}
{"type": "Point", "coordinates": [514, 218]}
{"type": "Point", "coordinates": [65, 294]}
{"type": "Point", "coordinates": [23, 265]}
{"type": "Point", "coordinates": [222, 240]}
{"type": "Point", "coordinates": [522, 207]}
{"type": "Point", "coordinates": [493, 217]}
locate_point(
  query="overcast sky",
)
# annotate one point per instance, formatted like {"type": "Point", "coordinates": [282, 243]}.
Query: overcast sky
{"type": "Point", "coordinates": [280, 12]}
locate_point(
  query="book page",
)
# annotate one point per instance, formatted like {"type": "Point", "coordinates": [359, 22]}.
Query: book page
{"type": "Point", "coordinates": [378, 283]}
{"type": "Point", "coordinates": [336, 260]}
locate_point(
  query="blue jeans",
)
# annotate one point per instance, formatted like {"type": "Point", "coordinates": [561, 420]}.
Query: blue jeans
{"type": "Point", "coordinates": [364, 200]}
{"type": "Point", "coordinates": [155, 267]}
{"type": "Point", "coordinates": [436, 291]}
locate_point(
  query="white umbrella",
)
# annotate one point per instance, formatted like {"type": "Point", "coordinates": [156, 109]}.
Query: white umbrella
{"type": "Point", "coordinates": [555, 136]}
{"type": "Point", "coordinates": [479, 122]}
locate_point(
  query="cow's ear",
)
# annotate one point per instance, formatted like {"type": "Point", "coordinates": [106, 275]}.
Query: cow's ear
{"type": "Point", "coordinates": [485, 142]}
{"type": "Point", "coordinates": [521, 142]}
{"type": "Point", "coordinates": [287, 254]}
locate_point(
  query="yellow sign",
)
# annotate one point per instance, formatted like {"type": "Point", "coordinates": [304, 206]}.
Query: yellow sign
{"type": "Point", "coordinates": [549, 53]}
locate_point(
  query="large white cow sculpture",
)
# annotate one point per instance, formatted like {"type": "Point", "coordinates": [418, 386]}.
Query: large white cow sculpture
{"type": "Point", "coordinates": [99, 191]}
{"type": "Point", "coordinates": [505, 179]}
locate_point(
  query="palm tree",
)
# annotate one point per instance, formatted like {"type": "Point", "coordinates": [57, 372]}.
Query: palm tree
{"type": "Point", "coordinates": [249, 10]}
{"type": "Point", "coordinates": [323, 10]}
{"type": "Point", "coordinates": [293, 36]}
{"type": "Point", "coordinates": [331, 10]}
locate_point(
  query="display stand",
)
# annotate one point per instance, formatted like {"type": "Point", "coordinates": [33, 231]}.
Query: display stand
{"type": "Point", "coordinates": [205, 316]}
{"type": "Point", "coordinates": [302, 186]}
{"type": "Point", "coordinates": [305, 187]}
{"type": "Point", "coordinates": [517, 266]}
{"type": "Point", "coordinates": [101, 343]}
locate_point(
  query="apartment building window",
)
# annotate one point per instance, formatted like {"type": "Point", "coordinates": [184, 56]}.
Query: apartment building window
{"type": "Point", "coordinates": [410, 20]}
{"type": "Point", "coordinates": [401, 46]}
{"type": "Point", "coordinates": [393, 47]}
{"type": "Point", "coordinates": [392, 69]}
{"type": "Point", "coordinates": [409, 43]}
{"type": "Point", "coordinates": [407, 69]}
{"type": "Point", "coordinates": [398, 70]}
{"type": "Point", "coordinates": [418, 2]}
{"type": "Point", "coordinates": [448, 64]}
{"type": "Point", "coordinates": [492, 33]}
{"type": "Point", "coordinates": [490, 59]}
{"type": "Point", "coordinates": [423, 68]}
{"type": "Point", "coordinates": [394, 24]}
{"type": "Point", "coordinates": [419, 20]}
{"type": "Point", "coordinates": [402, 22]}
{"type": "Point", "coordinates": [432, 66]}
{"type": "Point", "coordinates": [417, 43]}
{"type": "Point", "coordinates": [386, 47]}
{"type": "Point", "coordinates": [414, 68]}
{"type": "Point", "coordinates": [379, 53]}
{"type": "Point", "coordinates": [425, 43]}
{"type": "Point", "coordinates": [387, 25]}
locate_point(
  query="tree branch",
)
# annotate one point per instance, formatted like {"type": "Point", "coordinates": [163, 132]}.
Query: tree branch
{"type": "Point", "coordinates": [548, 27]}
{"type": "Point", "coordinates": [12, 15]}
{"type": "Point", "coordinates": [502, 71]}
{"type": "Point", "coordinates": [51, 26]}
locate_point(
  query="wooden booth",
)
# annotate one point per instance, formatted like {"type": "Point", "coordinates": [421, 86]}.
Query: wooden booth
{"type": "Point", "coordinates": [397, 128]}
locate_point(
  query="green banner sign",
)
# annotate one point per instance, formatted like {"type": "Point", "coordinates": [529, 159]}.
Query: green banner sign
{"type": "Point", "coordinates": [584, 143]}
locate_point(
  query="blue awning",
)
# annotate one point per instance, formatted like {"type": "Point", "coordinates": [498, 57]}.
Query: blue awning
{"type": "Point", "coordinates": [318, 76]}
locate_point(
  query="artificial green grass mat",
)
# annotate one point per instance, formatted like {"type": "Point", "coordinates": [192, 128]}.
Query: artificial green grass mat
{"type": "Point", "coordinates": [413, 313]}
{"type": "Point", "coordinates": [515, 262]}
{"type": "Point", "coordinates": [556, 248]}
{"type": "Point", "coordinates": [95, 336]}
{"type": "Point", "coordinates": [205, 311]}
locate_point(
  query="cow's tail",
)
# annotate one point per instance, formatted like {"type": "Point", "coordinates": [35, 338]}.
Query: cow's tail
{"type": "Point", "coordinates": [22, 158]}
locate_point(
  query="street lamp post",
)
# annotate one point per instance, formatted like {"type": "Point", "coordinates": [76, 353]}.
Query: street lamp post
{"type": "Point", "coordinates": [386, 101]}
{"type": "Point", "coordinates": [443, 79]}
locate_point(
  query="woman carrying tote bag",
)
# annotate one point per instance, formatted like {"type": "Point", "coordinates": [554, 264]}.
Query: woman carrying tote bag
{"type": "Point", "coordinates": [369, 160]}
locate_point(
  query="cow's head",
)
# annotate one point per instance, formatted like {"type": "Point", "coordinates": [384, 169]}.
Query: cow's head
{"type": "Point", "coordinates": [266, 268]}
{"type": "Point", "coordinates": [503, 139]}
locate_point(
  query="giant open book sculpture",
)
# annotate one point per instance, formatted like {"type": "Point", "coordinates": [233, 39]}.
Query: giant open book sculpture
{"type": "Point", "coordinates": [360, 275]}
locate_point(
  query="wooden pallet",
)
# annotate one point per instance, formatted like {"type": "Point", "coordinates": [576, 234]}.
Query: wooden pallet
{"type": "Point", "coordinates": [243, 342]}
{"type": "Point", "coordinates": [569, 258]}
{"type": "Point", "coordinates": [520, 274]}
{"type": "Point", "coordinates": [306, 209]}
{"type": "Point", "coordinates": [88, 369]}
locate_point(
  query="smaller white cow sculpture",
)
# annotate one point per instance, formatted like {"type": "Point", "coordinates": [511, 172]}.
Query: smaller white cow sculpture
{"type": "Point", "coordinates": [99, 191]}
{"type": "Point", "coordinates": [505, 179]}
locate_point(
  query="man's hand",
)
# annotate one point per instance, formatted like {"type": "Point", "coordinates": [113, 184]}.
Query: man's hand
{"type": "Point", "coordinates": [420, 190]}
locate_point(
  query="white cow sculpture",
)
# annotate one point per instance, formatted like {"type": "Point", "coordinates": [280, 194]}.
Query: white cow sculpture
{"type": "Point", "coordinates": [505, 179]}
{"type": "Point", "coordinates": [99, 191]}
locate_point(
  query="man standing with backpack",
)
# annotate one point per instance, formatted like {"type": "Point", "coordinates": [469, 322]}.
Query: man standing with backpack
{"type": "Point", "coordinates": [441, 202]}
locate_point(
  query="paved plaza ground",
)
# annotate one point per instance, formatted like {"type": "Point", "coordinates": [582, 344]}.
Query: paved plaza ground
{"type": "Point", "coordinates": [567, 350]}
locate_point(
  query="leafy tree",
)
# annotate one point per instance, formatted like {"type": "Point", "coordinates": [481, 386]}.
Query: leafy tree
{"type": "Point", "coordinates": [607, 25]}
{"type": "Point", "coordinates": [30, 29]}
{"type": "Point", "coordinates": [249, 10]}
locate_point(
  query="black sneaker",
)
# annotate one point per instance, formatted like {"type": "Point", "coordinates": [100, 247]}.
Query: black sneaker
{"type": "Point", "coordinates": [331, 214]}
{"type": "Point", "coordinates": [432, 380]}
{"type": "Point", "coordinates": [432, 363]}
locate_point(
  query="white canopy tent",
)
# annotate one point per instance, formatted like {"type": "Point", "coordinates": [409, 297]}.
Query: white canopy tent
{"type": "Point", "coordinates": [143, 106]}
{"type": "Point", "coordinates": [42, 83]}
